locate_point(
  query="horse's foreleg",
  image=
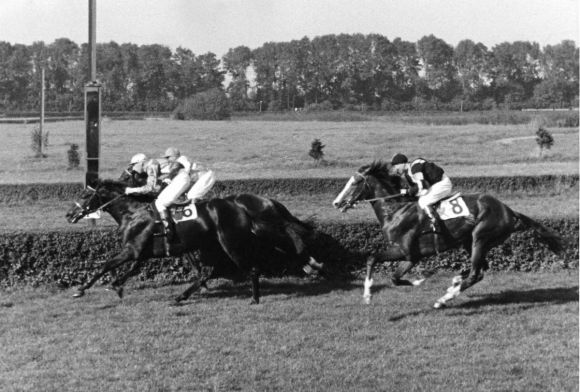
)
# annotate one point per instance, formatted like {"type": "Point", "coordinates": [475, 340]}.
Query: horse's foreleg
{"type": "Point", "coordinates": [371, 260]}
{"type": "Point", "coordinates": [110, 265]}
{"type": "Point", "coordinates": [117, 284]}
{"type": "Point", "coordinates": [255, 275]}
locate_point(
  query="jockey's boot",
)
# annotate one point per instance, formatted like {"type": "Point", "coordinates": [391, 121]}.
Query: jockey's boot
{"type": "Point", "coordinates": [168, 237]}
{"type": "Point", "coordinates": [434, 221]}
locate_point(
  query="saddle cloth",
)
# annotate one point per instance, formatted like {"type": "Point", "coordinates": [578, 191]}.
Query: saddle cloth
{"type": "Point", "coordinates": [181, 213]}
{"type": "Point", "coordinates": [452, 207]}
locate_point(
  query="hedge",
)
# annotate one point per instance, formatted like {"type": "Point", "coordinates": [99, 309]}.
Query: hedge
{"type": "Point", "coordinates": [68, 258]}
{"type": "Point", "coordinates": [307, 186]}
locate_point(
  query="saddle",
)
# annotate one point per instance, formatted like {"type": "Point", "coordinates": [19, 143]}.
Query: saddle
{"type": "Point", "coordinates": [182, 211]}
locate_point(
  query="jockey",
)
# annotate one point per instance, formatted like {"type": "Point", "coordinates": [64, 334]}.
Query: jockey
{"type": "Point", "coordinates": [178, 165]}
{"type": "Point", "coordinates": [141, 165]}
{"type": "Point", "coordinates": [430, 182]}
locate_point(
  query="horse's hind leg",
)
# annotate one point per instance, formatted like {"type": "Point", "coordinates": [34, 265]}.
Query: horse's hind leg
{"type": "Point", "coordinates": [402, 269]}
{"type": "Point", "coordinates": [255, 275]}
{"type": "Point", "coordinates": [202, 278]}
{"type": "Point", "coordinates": [460, 283]}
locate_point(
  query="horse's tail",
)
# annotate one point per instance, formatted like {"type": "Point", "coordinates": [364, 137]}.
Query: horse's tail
{"type": "Point", "coordinates": [300, 227]}
{"type": "Point", "coordinates": [553, 240]}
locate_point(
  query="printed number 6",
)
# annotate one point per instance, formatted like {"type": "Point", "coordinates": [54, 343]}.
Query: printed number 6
{"type": "Point", "coordinates": [456, 207]}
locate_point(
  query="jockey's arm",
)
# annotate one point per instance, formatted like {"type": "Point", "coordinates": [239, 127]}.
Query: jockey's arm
{"type": "Point", "coordinates": [174, 168]}
{"type": "Point", "coordinates": [152, 184]}
{"type": "Point", "coordinates": [419, 181]}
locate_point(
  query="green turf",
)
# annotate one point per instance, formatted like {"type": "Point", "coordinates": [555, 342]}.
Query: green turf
{"type": "Point", "coordinates": [511, 332]}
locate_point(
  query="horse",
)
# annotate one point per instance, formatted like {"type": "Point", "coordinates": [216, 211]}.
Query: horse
{"type": "Point", "coordinates": [479, 222]}
{"type": "Point", "coordinates": [229, 241]}
{"type": "Point", "coordinates": [278, 225]}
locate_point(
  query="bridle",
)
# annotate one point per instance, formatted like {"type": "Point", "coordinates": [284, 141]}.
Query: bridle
{"type": "Point", "coordinates": [367, 186]}
{"type": "Point", "coordinates": [87, 210]}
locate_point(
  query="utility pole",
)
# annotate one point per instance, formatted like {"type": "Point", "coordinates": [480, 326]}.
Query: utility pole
{"type": "Point", "coordinates": [41, 126]}
{"type": "Point", "coordinates": [92, 103]}
{"type": "Point", "coordinates": [92, 107]}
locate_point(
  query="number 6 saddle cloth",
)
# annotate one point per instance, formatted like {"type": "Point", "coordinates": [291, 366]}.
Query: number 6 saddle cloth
{"type": "Point", "coordinates": [452, 207]}
{"type": "Point", "coordinates": [183, 212]}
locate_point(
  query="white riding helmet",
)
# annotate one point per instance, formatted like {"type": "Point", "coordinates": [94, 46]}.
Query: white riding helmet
{"type": "Point", "coordinates": [171, 152]}
{"type": "Point", "coordinates": [138, 158]}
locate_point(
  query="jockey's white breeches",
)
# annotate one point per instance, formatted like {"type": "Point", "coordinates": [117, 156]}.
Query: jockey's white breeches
{"type": "Point", "coordinates": [438, 191]}
{"type": "Point", "coordinates": [171, 193]}
{"type": "Point", "coordinates": [202, 185]}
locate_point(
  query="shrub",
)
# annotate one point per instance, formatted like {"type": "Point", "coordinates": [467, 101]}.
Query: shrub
{"type": "Point", "coordinates": [544, 139]}
{"type": "Point", "coordinates": [208, 105]}
{"type": "Point", "coordinates": [73, 155]}
{"type": "Point", "coordinates": [39, 142]}
{"type": "Point", "coordinates": [316, 150]}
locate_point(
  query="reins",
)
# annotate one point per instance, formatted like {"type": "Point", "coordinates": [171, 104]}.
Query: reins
{"type": "Point", "coordinates": [376, 198]}
{"type": "Point", "coordinates": [110, 201]}
{"type": "Point", "coordinates": [102, 206]}
{"type": "Point", "coordinates": [383, 198]}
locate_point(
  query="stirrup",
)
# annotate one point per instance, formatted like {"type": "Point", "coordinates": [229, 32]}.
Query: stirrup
{"type": "Point", "coordinates": [434, 226]}
{"type": "Point", "coordinates": [166, 246]}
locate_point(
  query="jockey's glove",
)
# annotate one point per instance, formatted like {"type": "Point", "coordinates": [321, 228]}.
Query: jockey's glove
{"type": "Point", "coordinates": [404, 191]}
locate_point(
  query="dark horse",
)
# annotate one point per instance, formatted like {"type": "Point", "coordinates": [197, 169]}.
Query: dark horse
{"type": "Point", "coordinates": [230, 241]}
{"type": "Point", "coordinates": [408, 236]}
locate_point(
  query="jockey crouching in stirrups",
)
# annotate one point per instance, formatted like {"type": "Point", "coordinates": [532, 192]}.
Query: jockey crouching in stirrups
{"type": "Point", "coordinates": [427, 180]}
{"type": "Point", "coordinates": [177, 174]}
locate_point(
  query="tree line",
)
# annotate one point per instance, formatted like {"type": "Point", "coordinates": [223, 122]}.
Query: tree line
{"type": "Point", "coordinates": [349, 71]}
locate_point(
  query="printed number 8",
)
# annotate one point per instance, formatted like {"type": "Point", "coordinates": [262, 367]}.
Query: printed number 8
{"type": "Point", "coordinates": [456, 207]}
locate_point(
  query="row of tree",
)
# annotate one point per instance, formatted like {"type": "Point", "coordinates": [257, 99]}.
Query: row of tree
{"type": "Point", "coordinates": [332, 71]}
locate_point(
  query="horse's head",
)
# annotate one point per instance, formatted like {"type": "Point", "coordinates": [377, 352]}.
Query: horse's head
{"type": "Point", "coordinates": [368, 183]}
{"type": "Point", "coordinates": [94, 199]}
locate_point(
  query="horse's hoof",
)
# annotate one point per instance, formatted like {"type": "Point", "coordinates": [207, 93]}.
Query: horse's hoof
{"type": "Point", "coordinates": [439, 305]}
{"type": "Point", "coordinates": [118, 290]}
{"type": "Point", "coordinates": [254, 301]}
{"type": "Point", "coordinates": [367, 300]}
{"type": "Point", "coordinates": [78, 294]}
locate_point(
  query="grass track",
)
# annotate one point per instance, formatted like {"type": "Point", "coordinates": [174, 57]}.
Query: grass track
{"type": "Point", "coordinates": [511, 332]}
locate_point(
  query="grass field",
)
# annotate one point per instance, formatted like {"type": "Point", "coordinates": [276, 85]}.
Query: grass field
{"type": "Point", "coordinates": [511, 332]}
{"type": "Point", "coordinates": [258, 149]}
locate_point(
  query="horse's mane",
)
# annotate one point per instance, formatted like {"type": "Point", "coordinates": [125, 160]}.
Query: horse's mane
{"type": "Point", "coordinates": [111, 184]}
{"type": "Point", "coordinates": [380, 170]}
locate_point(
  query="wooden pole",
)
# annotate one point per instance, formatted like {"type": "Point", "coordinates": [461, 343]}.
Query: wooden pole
{"type": "Point", "coordinates": [41, 126]}
{"type": "Point", "coordinates": [93, 40]}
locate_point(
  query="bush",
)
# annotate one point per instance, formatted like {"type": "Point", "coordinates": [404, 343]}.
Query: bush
{"type": "Point", "coordinates": [544, 140]}
{"type": "Point", "coordinates": [39, 142]}
{"type": "Point", "coordinates": [208, 105]}
{"type": "Point", "coordinates": [73, 156]}
{"type": "Point", "coordinates": [316, 150]}
{"type": "Point", "coordinates": [69, 258]}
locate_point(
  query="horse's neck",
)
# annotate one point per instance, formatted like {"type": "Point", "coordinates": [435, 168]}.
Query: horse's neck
{"type": "Point", "coordinates": [384, 210]}
{"type": "Point", "coordinates": [120, 208]}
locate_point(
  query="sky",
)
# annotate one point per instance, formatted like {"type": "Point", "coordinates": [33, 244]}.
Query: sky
{"type": "Point", "coordinates": [219, 25]}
